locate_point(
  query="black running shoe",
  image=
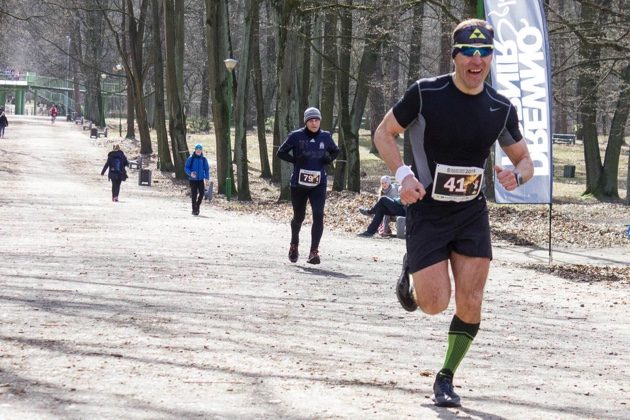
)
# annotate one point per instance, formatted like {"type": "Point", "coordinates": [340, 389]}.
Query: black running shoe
{"type": "Point", "coordinates": [313, 257]}
{"type": "Point", "coordinates": [445, 396]}
{"type": "Point", "coordinates": [293, 253]}
{"type": "Point", "coordinates": [403, 289]}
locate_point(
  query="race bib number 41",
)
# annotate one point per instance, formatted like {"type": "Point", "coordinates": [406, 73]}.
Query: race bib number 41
{"type": "Point", "coordinates": [309, 178]}
{"type": "Point", "coordinates": [456, 183]}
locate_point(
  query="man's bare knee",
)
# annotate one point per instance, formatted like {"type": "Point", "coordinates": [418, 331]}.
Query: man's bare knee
{"type": "Point", "coordinates": [432, 305]}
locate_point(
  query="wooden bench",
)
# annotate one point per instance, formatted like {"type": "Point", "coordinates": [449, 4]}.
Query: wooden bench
{"type": "Point", "coordinates": [101, 132]}
{"type": "Point", "coordinates": [563, 138]}
{"type": "Point", "coordinates": [86, 124]}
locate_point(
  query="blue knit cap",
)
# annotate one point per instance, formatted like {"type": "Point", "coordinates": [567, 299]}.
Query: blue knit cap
{"type": "Point", "coordinates": [198, 146]}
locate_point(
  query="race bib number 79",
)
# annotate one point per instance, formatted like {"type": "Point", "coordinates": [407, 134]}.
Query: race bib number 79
{"type": "Point", "coordinates": [309, 178]}
{"type": "Point", "coordinates": [456, 183]}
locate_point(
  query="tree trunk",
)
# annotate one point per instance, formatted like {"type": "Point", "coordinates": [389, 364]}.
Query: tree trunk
{"type": "Point", "coordinates": [415, 48]}
{"type": "Point", "coordinates": [136, 42]}
{"type": "Point", "coordinates": [131, 114]}
{"type": "Point", "coordinates": [315, 75]}
{"type": "Point", "coordinates": [587, 90]}
{"type": "Point", "coordinates": [257, 82]}
{"type": "Point", "coordinates": [217, 39]}
{"type": "Point", "coordinates": [609, 179]}
{"type": "Point", "coordinates": [351, 123]}
{"type": "Point", "coordinates": [287, 114]}
{"type": "Point", "coordinates": [446, 29]}
{"type": "Point", "coordinates": [93, 56]}
{"type": "Point", "coordinates": [329, 71]}
{"type": "Point", "coordinates": [240, 105]}
{"type": "Point", "coordinates": [173, 37]}
{"type": "Point", "coordinates": [343, 90]}
{"type": "Point", "coordinates": [204, 100]}
{"type": "Point", "coordinates": [305, 62]}
{"type": "Point", "coordinates": [164, 154]}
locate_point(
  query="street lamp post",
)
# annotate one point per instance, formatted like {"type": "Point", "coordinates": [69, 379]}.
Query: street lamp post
{"type": "Point", "coordinates": [230, 64]}
{"type": "Point", "coordinates": [67, 90]}
{"type": "Point", "coordinates": [118, 67]}
{"type": "Point", "coordinates": [103, 77]}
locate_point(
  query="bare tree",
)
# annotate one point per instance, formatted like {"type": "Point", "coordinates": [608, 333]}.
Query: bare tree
{"type": "Point", "coordinates": [174, 39]}
{"type": "Point", "coordinates": [164, 154]}
{"type": "Point", "coordinates": [217, 39]}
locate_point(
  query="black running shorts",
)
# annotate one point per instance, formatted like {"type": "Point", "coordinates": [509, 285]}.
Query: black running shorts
{"type": "Point", "coordinates": [434, 231]}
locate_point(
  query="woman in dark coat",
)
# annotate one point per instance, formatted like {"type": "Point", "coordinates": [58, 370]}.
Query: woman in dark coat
{"type": "Point", "coordinates": [3, 122]}
{"type": "Point", "coordinates": [116, 163]}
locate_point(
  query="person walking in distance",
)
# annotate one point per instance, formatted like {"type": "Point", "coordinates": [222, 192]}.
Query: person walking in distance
{"type": "Point", "coordinates": [198, 171]}
{"type": "Point", "coordinates": [116, 165]}
{"type": "Point", "coordinates": [4, 122]}
{"type": "Point", "coordinates": [53, 113]}
{"type": "Point", "coordinates": [310, 150]}
{"type": "Point", "coordinates": [453, 120]}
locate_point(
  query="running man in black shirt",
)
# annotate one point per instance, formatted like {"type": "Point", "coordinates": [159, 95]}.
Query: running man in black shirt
{"type": "Point", "coordinates": [454, 120]}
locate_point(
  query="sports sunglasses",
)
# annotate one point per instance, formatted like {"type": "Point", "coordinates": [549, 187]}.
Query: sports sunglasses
{"type": "Point", "coordinates": [472, 50]}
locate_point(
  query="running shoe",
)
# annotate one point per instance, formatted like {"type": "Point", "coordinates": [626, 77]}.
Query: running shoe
{"type": "Point", "coordinates": [445, 396]}
{"type": "Point", "coordinates": [365, 234]}
{"type": "Point", "coordinates": [364, 211]}
{"type": "Point", "coordinates": [313, 257]}
{"type": "Point", "coordinates": [293, 253]}
{"type": "Point", "coordinates": [404, 292]}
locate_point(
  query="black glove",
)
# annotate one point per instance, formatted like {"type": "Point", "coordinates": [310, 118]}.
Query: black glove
{"type": "Point", "coordinates": [326, 158]}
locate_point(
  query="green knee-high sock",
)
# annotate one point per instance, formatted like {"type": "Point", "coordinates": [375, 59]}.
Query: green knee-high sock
{"type": "Point", "coordinates": [460, 337]}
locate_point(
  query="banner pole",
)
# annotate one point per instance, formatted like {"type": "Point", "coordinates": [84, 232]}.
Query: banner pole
{"type": "Point", "coordinates": [481, 14]}
{"type": "Point", "coordinates": [550, 253]}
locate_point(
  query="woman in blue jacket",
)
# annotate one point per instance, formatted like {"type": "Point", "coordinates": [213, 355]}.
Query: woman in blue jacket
{"type": "Point", "coordinates": [312, 149]}
{"type": "Point", "coordinates": [198, 171]}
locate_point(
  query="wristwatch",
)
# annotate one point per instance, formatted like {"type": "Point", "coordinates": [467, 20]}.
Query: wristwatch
{"type": "Point", "coordinates": [519, 179]}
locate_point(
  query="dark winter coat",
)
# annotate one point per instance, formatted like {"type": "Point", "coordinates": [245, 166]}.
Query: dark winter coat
{"type": "Point", "coordinates": [3, 120]}
{"type": "Point", "coordinates": [116, 164]}
{"type": "Point", "coordinates": [308, 151]}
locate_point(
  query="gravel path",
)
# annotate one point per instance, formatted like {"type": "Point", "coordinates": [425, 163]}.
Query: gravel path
{"type": "Point", "coordinates": [139, 310]}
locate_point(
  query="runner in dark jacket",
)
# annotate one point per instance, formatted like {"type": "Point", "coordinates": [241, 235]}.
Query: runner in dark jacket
{"type": "Point", "coordinates": [310, 150]}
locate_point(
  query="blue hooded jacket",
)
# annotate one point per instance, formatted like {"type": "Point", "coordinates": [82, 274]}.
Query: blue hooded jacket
{"type": "Point", "coordinates": [199, 164]}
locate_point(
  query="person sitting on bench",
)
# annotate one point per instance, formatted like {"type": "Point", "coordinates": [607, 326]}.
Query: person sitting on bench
{"type": "Point", "coordinates": [387, 207]}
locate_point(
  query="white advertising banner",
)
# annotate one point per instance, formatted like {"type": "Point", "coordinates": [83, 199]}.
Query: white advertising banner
{"type": "Point", "coordinates": [521, 71]}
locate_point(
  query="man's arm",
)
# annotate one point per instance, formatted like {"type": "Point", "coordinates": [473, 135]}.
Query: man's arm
{"type": "Point", "coordinates": [523, 165]}
{"type": "Point", "coordinates": [385, 141]}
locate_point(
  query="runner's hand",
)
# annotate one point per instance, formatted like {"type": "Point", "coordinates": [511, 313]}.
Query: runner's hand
{"type": "Point", "coordinates": [506, 178]}
{"type": "Point", "coordinates": [411, 190]}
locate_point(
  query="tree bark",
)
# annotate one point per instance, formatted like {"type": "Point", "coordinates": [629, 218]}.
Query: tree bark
{"type": "Point", "coordinates": [587, 90]}
{"type": "Point", "coordinates": [329, 71]}
{"type": "Point", "coordinates": [173, 37]}
{"type": "Point", "coordinates": [257, 82]}
{"type": "Point", "coordinates": [164, 153]}
{"type": "Point", "coordinates": [343, 91]}
{"type": "Point", "coordinates": [240, 105]}
{"type": "Point", "coordinates": [217, 39]}
{"type": "Point", "coordinates": [415, 49]}
{"type": "Point", "coordinates": [135, 70]}
{"type": "Point", "coordinates": [609, 179]}
{"type": "Point", "coordinates": [315, 75]}
{"type": "Point", "coordinates": [287, 114]}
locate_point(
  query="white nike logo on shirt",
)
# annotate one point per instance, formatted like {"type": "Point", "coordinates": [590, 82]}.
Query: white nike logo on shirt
{"type": "Point", "coordinates": [494, 109]}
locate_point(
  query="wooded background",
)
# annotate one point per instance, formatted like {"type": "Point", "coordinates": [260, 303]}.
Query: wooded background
{"type": "Point", "coordinates": [352, 59]}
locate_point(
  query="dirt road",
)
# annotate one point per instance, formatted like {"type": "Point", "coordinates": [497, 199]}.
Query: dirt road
{"type": "Point", "coordinates": [139, 310]}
